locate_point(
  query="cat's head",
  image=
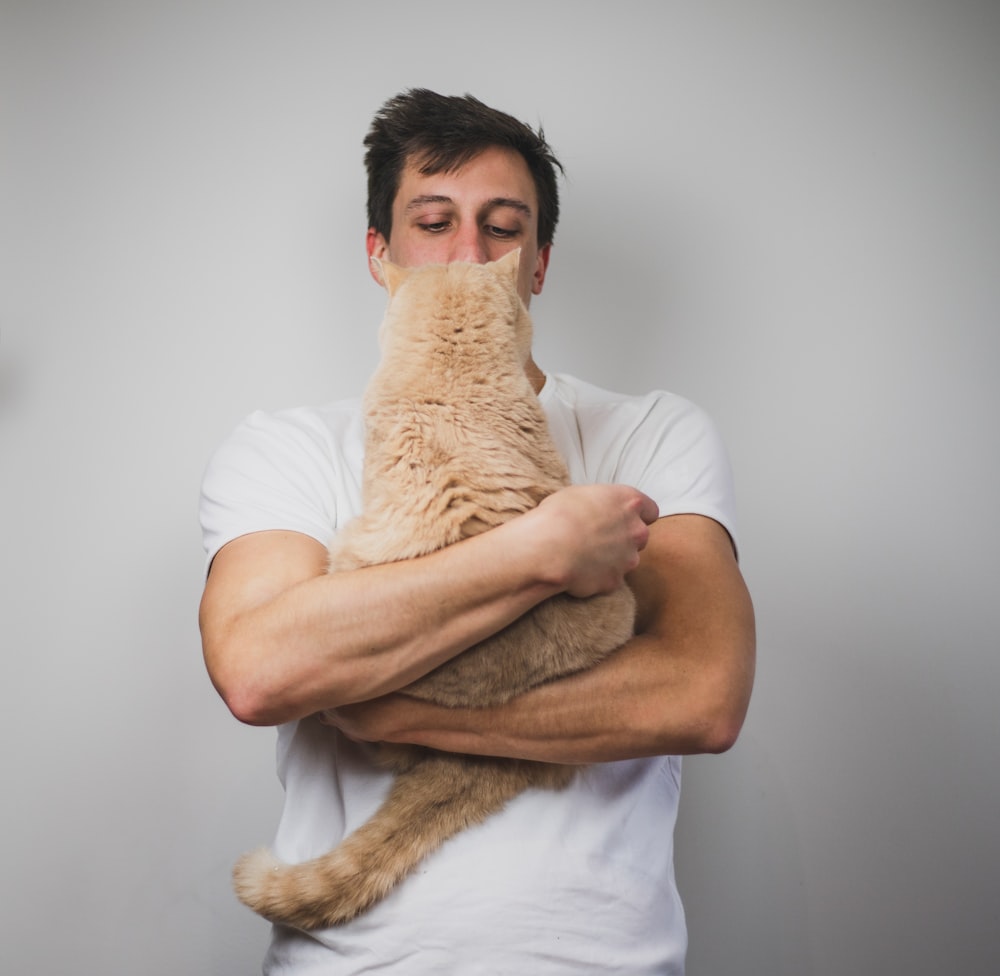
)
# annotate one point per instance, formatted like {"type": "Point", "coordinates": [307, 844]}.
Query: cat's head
{"type": "Point", "coordinates": [392, 275]}
{"type": "Point", "coordinates": [447, 299]}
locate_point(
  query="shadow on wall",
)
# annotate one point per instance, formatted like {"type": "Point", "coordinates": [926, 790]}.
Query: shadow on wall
{"type": "Point", "coordinates": [737, 833]}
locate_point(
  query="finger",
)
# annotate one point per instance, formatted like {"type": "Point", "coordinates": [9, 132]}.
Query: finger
{"type": "Point", "coordinates": [649, 511]}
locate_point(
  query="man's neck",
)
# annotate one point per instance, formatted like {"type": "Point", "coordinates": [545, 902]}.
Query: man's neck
{"type": "Point", "coordinates": [536, 376]}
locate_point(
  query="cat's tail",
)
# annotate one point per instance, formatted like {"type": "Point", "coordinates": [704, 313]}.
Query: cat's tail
{"type": "Point", "coordinates": [436, 799]}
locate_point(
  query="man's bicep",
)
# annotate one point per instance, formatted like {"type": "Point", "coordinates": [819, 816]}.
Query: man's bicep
{"type": "Point", "coordinates": [253, 569]}
{"type": "Point", "coordinates": [687, 569]}
{"type": "Point", "coordinates": [695, 610]}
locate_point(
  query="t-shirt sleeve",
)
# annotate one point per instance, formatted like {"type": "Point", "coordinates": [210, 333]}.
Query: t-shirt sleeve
{"type": "Point", "coordinates": [669, 448]}
{"type": "Point", "coordinates": [273, 472]}
{"type": "Point", "coordinates": [672, 451]}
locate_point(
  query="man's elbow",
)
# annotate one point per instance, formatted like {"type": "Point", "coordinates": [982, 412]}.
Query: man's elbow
{"type": "Point", "coordinates": [721, 718]}
{"type": "Point", "coordinates": [727, 698]}
{"type": "Point", "coordinates": [720, 735]}
{"type": "Point", "coordinates": [245, 703]}
{"type": "Point", "coordinates": [248, 707]}
{"type": "Point", "coordinates": [246, 698]}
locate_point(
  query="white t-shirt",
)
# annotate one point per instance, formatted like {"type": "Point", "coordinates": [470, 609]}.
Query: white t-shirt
{"type": "Point", "coordinates": [574, 882]}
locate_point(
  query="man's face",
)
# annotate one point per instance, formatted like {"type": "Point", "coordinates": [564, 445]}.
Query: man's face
{"type": "Point", "coordinates": [477, 213]}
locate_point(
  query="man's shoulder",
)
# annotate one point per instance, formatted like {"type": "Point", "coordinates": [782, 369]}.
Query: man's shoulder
{"type": "Point", "coordinates": [332, 415]}
{"type": "Point", "coordinates": [300, 426]}
{"type": "Point", "coordinates": [589, 401]}
{"type": "Point", "coordinates": [304, 443]}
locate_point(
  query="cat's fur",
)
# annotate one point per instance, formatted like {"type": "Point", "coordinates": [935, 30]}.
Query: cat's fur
{"type": "Point", "coordinates": [456, 443]}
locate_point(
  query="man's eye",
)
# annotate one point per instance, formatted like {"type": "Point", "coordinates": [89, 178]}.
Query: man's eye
{"type": "Point", "coordinates": [434, 226]}
{"type": "Point", "coordinates": [502, 233]}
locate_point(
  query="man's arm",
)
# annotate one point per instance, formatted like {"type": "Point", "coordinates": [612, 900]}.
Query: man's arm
{"type": "Point", "coordinates": [284, 639]}
{"type": "Point", "coordinates": [681, 686]}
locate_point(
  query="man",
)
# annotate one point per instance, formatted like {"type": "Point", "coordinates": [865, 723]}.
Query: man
{"type": "Point", "coordinates": [572, 882]}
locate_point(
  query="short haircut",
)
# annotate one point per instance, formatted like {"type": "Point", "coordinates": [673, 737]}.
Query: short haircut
{"type": "Point", "coordinates": [440, 134]}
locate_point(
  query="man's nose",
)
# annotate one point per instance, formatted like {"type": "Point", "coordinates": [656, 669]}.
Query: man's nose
{"type": "Point", "coordinates": [468, 245]}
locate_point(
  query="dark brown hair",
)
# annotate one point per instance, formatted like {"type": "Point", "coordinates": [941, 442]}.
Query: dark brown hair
{"type": "Point", "coordinates": [440, 133]}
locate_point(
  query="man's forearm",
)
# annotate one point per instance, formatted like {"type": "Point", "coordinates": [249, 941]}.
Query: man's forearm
{"type": "Point", "coordinates": [331, 639]}
{"type": "Point", "coordinates": [635, 704]}
{"type": "Point", "coordinates": [681, 686]}
{"type": "Point", "coordinates": [597, 716]}
{"type": "Point", "coordinates": [284, 639]}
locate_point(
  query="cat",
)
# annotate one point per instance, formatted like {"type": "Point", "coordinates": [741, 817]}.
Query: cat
{"type": "Point", "coordinates": [456, 443]}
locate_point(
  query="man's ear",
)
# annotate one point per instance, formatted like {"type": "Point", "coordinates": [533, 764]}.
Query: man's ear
{"type": "Point", "coordinates": [538, 277]}
{"type": "Point", "coordinates": [378, 249]}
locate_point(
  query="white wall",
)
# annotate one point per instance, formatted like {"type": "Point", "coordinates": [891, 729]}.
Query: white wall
{"type": "Point", "coordinates": [787, 211]}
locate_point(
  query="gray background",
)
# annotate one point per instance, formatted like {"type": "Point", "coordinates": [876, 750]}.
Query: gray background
{"type": "Point", "coordinates": [786, 211]}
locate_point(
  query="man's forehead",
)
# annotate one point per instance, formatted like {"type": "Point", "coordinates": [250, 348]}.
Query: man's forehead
{"type": "Point", "coordinates": [496, 176]}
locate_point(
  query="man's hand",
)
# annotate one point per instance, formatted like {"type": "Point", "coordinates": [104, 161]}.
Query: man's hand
{"type": "Point", "coordinates": [594, 534]}
{"type": "Point", "coordinates": [367, 721]}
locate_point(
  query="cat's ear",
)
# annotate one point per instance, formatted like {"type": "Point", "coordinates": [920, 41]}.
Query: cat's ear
{"type": "Point", "coordinates": [508, 265]}
{"type": "Point", "coordinates": [390, 275]}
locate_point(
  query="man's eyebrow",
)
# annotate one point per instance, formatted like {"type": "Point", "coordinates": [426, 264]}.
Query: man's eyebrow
{"type": "Point", "coordinates": [417, 202]}
{"type": "Point", "coordinates": [427, 199]}
{"type": "Point", "coordinates": [509, 202]}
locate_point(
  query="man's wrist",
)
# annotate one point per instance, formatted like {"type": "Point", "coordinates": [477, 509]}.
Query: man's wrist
{"type": "Point", "coordinates": [541, 551]}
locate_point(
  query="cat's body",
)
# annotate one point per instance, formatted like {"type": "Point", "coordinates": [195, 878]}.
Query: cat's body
{"type": "Point", "coordinates": [456, 443]}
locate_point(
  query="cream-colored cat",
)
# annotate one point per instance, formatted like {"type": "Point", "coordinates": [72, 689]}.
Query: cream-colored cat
{"type": "Point", "coordinates": [456, 443]}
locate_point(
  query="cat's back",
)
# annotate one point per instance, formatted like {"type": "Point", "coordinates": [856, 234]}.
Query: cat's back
{"type": "Point", "coordinates": [452, 378]}
{"type": "Point", "coordinates": [457, 439]}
